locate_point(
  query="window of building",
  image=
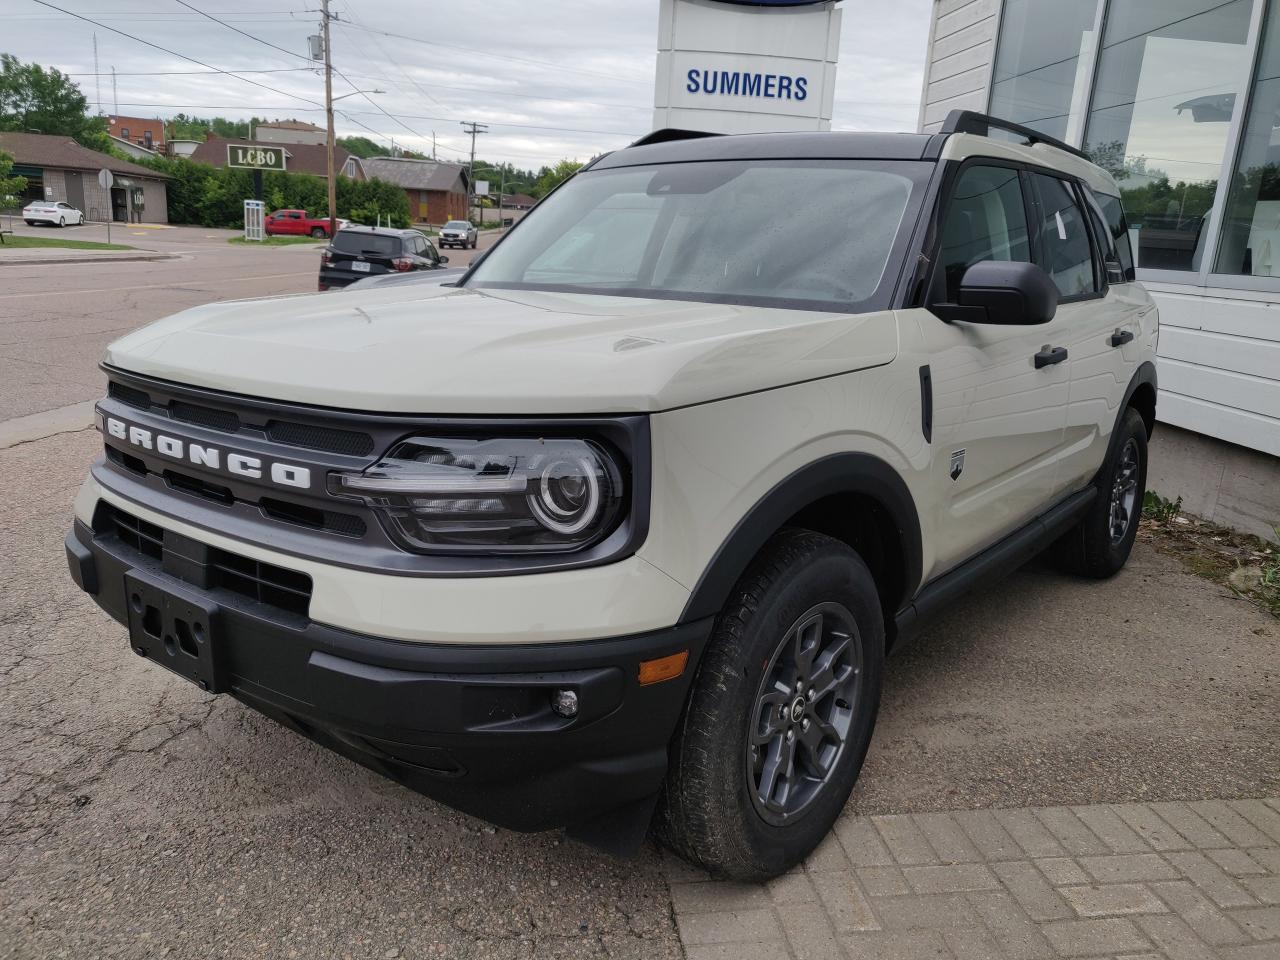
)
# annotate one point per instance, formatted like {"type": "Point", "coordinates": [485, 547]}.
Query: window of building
{"type": "Point", "coordinates": [1167, 87]}
{"type": "Point", "coordinates": [1250, 241]}
{"type": "Point", "coordinates": [124, 133]}
{"type": "Point", "coordinates": [1042, 59]}
{"type": "Point", "coordinates": [986, 220]}
{"type": "Point", "coordinates": [1065, 251]}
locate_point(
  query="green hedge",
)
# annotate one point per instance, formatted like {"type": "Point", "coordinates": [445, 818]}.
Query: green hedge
{"type": "Point", "coordinates": [214, 196]}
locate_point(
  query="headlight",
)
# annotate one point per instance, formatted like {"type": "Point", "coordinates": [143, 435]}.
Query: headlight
{"type": "Point", "coordinates": [512, 495]}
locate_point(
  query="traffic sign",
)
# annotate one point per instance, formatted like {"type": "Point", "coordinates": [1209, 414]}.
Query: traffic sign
{"type": "Point", "coordinates": [105, 178]}
{"type": "Point", "coordinates": [253, 157]}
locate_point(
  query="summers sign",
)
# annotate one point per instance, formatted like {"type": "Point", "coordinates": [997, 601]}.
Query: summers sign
{"type": "Point", "coordinates": [253, 157]}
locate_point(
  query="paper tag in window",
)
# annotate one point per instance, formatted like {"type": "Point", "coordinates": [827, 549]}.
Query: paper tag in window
{"type": "Point", "coordinates": [1062, 227]}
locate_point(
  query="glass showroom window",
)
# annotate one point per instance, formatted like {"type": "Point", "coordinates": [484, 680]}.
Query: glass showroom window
{"type": "Point", "coordinates": [1042, 62]}
{"type": "Point", "coordinates": [1250, 243]}
{"type": "Point", "coordinates": [1169, 74]}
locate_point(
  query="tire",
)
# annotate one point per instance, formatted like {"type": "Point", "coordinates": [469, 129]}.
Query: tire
{"type": "Point", "coordinates": [62, 222]}
{"type": "Point", "coordinates": [318, 233]}
{"type": "Point", "coordinates": [30, 223]}
{"type": "Point", "coordinates": [1100, 544]}
{"type": "Point", "coordinates": [720, 808]}
{"type": "Point", "coordinates": [475, 243]}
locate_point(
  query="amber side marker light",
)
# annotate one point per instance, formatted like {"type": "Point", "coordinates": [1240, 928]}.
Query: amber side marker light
{"type": "Point", "coordinates": [664, 668]}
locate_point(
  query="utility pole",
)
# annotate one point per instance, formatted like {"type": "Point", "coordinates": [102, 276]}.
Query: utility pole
{"type": "Point", "coordinates": [473, 128]}
{"type": "Point", "coordinates": [328, 110]}
{"type": "Point", "coordinates": [114, 95]}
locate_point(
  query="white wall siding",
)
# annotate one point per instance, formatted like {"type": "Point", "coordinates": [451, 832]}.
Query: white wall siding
{"type": "Point", "coordinates": [958, 68]}
{"type": "Point", "coordinates": [1219, 364]}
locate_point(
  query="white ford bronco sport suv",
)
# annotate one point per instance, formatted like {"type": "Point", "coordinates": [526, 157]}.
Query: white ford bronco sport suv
{"type": "Point", "coordinates": [616, 529]}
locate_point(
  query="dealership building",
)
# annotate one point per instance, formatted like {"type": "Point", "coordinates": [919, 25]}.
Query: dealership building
{"type": "Point", "coordinates": [1180, 101]}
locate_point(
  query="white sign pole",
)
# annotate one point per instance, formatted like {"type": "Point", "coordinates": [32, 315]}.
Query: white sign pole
{"type": "Point", "coordinates": [105, 179]}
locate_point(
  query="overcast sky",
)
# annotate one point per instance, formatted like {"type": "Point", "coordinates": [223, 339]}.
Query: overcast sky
{"type": "Point", "coordinates": [556, 79]}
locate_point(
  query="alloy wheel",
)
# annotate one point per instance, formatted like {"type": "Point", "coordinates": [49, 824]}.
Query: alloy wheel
{"type": "Point", "coordinates": [803, 712]}
{"type": "Point", "coordinates": [1124, 491]}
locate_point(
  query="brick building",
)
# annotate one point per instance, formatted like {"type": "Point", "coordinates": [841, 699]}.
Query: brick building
{"type": "Point", "coordinates": [144, 131]}
{"type": "Point", "coordinates": [437, 192]}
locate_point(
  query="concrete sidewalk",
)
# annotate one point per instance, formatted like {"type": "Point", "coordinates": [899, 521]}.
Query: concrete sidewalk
{"type": "Point", "coordinates": [31, 256]}
{"type": "Point", "coordinates": [1140, 881]}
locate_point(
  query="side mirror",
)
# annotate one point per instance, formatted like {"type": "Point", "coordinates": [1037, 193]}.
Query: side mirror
{"type": "Point", "coordinates": [994, 291]}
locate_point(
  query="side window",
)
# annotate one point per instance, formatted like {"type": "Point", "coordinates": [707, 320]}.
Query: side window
{"type": "Point", "coordinates": [1065, 251]}
{"type": "Point", "coordinates": [985, 220]}
{"type": "Point", "coordinates": [1118, 227]}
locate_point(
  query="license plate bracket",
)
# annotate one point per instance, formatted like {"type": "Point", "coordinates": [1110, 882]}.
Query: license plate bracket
{"type": "Point", "coordinates": [360, 266]}
{"type": "Point", "coordinates": [177, 628]}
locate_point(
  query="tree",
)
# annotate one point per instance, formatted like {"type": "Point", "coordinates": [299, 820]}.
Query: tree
{"type": "Point", "coordinates": [36, 100]}
{"type": "Point", "coordinates": [10, 187]}
{"type": "Point", "coordinates": [361, 147]}
{"type": "Point", "coordinates": [551, 177]}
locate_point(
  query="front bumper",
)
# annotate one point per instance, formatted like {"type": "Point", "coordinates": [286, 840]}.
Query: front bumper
{"type": "Point", "coordinates": [469, 725]}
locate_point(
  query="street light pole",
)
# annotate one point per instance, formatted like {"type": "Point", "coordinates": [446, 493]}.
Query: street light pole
{"type": "Point", "coordinates": [328, 110]}
{"type": "Point", "coordinates": [471, 127]}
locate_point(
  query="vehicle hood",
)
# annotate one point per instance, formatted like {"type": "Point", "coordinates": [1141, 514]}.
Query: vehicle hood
{"type": "Point", "coordinates": [406, 349]}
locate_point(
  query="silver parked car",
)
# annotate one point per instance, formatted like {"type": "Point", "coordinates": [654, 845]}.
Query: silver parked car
{"type": "Point", "coordinates": [51, 211]}
{"type": "Point", "coordinates": [458, 233]}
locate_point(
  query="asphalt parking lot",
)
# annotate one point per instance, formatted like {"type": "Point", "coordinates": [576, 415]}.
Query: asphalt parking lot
{"type": "Point", "coordinates": [142, 818]}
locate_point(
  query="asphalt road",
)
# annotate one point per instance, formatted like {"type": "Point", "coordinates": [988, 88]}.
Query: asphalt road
{"type": "Point", "coordinates": [142, 818]}
{"type": "Point", "coordinates": [55, 319]}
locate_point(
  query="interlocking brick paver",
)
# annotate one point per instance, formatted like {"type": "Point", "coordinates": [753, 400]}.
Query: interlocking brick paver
{"type": "Point", "coordinates": [1168, 881]}
{"type": "Point", "coordinates": [1030, 833]}
{"type": "Point", "coordinates": [1090, 938]}
{"type": "Point", "coordinates": [740, 926]}
{"type": "Point", "coordinates": [904, 840]}
{"type": "Point", "coordinates": [1113, 831]}
{"type": "Point", "coordinates": [1191, 825]}
{"type": "Point", "coordinates": [952, 878]}
{"type": "Point", "coordinates": [1148, 825]}
{"type": "Point", "coordinates": [1208, 876]}
{"type": "Point", "coordinates": [1201, 914]}
{"type": "Point", "coordinates": [1113, 900]}
{"type": "Point", "coordinates": [1062, 871]}
{"type": "Point", "coordinates": [1033, 893]}
{"type": "Point", "coordinates": [883, 881]}
{"type": "Point", "coordinates": [809, 932]}
{"type": "Point", "coordinates": [946, 838]}
{"type": "Point", "coordinates": [1130, 868]}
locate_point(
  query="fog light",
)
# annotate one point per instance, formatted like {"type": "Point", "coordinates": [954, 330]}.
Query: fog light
{"type": "Point", "coordinates": [565, 703]}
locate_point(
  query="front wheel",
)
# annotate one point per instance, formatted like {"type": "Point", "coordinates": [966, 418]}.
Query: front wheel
{"type": "Point", "coordinates": [474, 243]}
{"type": "Point", "coordinates": [62, 222]}
{"type": "Point", "coordinates": [781, 712]}
{"type": "Point", "coordinates": [1100, 544]}
{"type": "Point", "coordinates": [318, 233]}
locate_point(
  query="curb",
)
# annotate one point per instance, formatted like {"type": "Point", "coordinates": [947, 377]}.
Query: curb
{"type": "Point", "coordinates": [99, 259]}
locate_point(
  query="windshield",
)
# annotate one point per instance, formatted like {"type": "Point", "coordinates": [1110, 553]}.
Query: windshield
{"type": "Point", "coordinates": [815, 234]}
{"type": "Point", "coordinates": [369, 244]}
{"type": "Point", "coordinates": [457, 225]}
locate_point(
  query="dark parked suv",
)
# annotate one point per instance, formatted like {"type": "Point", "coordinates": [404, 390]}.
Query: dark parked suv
{"type": "Point", "coordinates": [358, 252]}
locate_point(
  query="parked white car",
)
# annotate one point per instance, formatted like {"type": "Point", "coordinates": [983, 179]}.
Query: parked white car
{"type": "Point", "coordinates": [49, 211]}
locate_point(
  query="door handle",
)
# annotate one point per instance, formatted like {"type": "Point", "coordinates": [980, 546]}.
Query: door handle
{"type": "Point", "coordinates": [1120, 337]}
{"type": "Point", "coordinates": [1050, 355]}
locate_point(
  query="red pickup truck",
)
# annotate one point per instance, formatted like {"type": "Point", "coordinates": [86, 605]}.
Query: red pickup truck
{"type": "Point", "coordinates": [296, 222]}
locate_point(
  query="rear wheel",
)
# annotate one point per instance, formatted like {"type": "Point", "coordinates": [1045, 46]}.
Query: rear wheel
{"type": "Point", "coordinates": [1100, 544]}
{"type": "Point", "coordinates": [30, 223]}
{"type": "Point", "coordinates": [318, 232]}
{"type": "Point", "coordinates": [781, 712]}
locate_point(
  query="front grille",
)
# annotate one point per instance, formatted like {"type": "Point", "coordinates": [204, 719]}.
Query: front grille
{"type": "Point", "coordinates": [204, 416]}
{"type": "Point", "coordinates": [146, 538]}
{"type": "Point", "coordinates": [262, 582]}
{"type": "Point", "coordinates": [348, 442]}
{"type": "Point", "coordinates": [130, 395]}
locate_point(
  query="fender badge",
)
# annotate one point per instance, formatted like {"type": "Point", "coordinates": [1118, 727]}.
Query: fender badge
{"type": "Point", "coordinates": [957, 464]}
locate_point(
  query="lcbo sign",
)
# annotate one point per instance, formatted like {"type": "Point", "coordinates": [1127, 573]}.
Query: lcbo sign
{"type": "Point", "coordinates": [255, 158]}
{"type": "Point", "coordinates": [743, 66]}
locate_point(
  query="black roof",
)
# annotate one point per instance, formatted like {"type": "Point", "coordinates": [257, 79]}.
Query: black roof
{"type": "Point", "coordinates": [386, 231]}
{"type": "Point", "coordinates": [773, 146]}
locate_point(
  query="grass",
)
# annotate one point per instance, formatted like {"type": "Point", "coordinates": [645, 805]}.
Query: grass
{"type": "Point", "coordinates": [19, 243]}
{"type": "Point", "coordinates": [278, 241]}
{"type": "Point", "coordinates": [1245, 565]}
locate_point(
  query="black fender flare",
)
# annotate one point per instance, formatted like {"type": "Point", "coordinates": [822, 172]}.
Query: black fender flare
{"type": "Point", "coordinates": [841, 473]}
{"type": "Point", "coordinates": [1145, 375]}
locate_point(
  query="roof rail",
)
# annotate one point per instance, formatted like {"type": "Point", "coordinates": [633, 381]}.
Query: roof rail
{"type": "Point", "coordinates": [667, 134]}
{"type": "Point", "coordinates": [980, 124]}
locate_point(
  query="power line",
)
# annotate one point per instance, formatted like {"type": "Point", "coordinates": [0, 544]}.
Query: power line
{"type": "Point", "coordinates": [187, 73]}
{"type": "Point", "coordinates": [268, 43]}
{"type": "Point", "coordinates": [174, 53]}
